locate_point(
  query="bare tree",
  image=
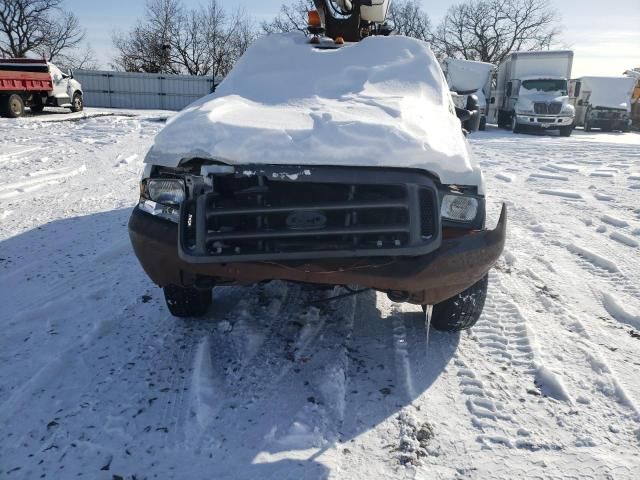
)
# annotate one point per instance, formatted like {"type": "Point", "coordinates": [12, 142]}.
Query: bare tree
{"type": "Point", "coordinates": [292, 17]}
{"type": "Point", "coordinates": [408, 18]}
{"type": "Point", "coordinates": [488, 30]}
{"type": "Point", "coordinates": [203, 41]}
{"type": "Point", "coordinates": [147, 47]}
{"type": "Point", "coordinates": [81, 59]}
{"type": "Point", "coordinates": [39, 27]}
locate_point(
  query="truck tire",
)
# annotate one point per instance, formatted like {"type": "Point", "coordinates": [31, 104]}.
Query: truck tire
{"type": "Point", "coordinates": [37, 106]}
{"type": "Point", "coordinates": [515, 126]}
{"type": "Point", "coordinates": [483, 124]}
{"type": "Point", "coordinates": [13, 106]}
{"type": "Point", "coordinates": [462, 311]}
{"type": "Point", "coordinates": [76, 103]}
{"type": "Point", "coordinates": [187, 302]}
{"type": "Point", "coordinates": [566, 131]}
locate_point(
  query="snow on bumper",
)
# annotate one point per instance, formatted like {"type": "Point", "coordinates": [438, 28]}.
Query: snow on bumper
{"type": "Point", "coordinates": [459, 263]}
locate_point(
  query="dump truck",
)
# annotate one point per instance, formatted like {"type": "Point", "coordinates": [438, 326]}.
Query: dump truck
{"type": "Point", "coordinates": [322, 161]}
{"type": "Point", "coordinates": [531, 92]}
{"type": "Point", "coordinates": [36, 84]}
{"type": "Point", "coordinates": [602, 102]}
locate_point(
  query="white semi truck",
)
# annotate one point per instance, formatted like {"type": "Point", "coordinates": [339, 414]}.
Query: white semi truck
{"type": "Point", "coordinates": [466, 77]}
{"type": "Point", "coordinates": [602, 102]}
{"type": "Point", "coordinates": [531, 92]}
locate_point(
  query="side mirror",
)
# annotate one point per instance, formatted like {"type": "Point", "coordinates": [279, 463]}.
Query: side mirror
{"type": "Point", "coordinates": [493, 100]}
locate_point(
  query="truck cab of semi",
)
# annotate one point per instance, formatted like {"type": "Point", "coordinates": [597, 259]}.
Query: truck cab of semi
{"type": "Point", "coordinates": [532, 92]}
{"type": "Point", "coordinates": [603, 102]}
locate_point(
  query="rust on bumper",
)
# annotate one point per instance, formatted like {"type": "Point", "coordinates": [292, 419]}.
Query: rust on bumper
{"type": "Point", "coordinates": [456, 265]}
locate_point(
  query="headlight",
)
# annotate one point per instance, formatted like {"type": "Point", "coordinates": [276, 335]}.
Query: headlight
{"type": "Point", "coordinates": [459, 208]}
{"type": "Point", "coordinates": [568, 109]}
{"type": "Point", "coordinates": [166, 192]}
{"type": "Point", "coordinates": [162, 198]}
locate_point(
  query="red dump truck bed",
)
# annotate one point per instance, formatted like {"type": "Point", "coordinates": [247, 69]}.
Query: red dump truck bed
{"type": "Point", "coordinates": [24, 75]}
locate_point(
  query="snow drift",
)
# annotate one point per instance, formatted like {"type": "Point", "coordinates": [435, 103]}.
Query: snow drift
{"type": "Point", "coordinates": [379, 102]}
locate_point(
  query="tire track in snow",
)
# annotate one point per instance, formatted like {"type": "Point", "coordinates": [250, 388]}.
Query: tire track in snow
{"type": "Point", "coordinates": [12, 190]}
{"type": "Point", "coordinates": [503, 348]}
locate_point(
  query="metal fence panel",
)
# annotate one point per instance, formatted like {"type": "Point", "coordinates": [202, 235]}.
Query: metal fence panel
{"type": "Point", "coordinates": [141, 90]}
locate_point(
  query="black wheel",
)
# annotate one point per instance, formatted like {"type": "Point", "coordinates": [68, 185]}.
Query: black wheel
{"type": "Point", "coordinates": [13, 106]}
{"type": "Point", "coordinates": [187, 302]}
{"type": "Point", "coordinates": [566, 131]}
{"type": "Point", "coordinates": [483, 124]}
{"type": "Point", "coordinates": [462, 311]}
{"type": "Point", "coordinates": [515, 126]}
{"type": "Point", "coordinates": [76, 104]}
{"type": "Point", "coordinates": [37, 106]}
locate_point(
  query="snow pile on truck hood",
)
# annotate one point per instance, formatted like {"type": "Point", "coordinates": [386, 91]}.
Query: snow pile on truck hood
{"type": "Point", "coordinates": [609, 92]}
{"type": "Point", "coordinates": [379, 102]}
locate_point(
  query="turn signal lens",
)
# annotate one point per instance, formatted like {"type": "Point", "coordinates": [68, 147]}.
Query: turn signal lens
{"type": "Point", "coordinates": [459, 208]}
{"type": "Point", "coordinates": [339, 41]}
{"type": "Point", "coordinates": [314, 19]}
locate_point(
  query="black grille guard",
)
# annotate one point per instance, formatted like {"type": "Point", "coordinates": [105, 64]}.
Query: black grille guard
{"type": "Point", "coordinates": [209, 233]}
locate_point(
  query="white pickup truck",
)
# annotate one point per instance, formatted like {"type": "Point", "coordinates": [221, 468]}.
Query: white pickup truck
{"type": "Point", "coordinates": [33, 83]}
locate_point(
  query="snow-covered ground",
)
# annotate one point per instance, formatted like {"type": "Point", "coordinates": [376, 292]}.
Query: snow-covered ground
{"type": "Point", "coordinates": [98, 381]}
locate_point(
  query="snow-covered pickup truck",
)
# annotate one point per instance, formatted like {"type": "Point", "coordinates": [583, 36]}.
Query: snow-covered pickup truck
{"type": "Point", "coordinates": [338, 166]}
{"type": "Point", "coordinates": [25, 82]}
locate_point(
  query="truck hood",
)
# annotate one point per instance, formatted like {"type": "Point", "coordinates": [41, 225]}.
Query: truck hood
{"type": "Point", "coordinates": [379, 102]}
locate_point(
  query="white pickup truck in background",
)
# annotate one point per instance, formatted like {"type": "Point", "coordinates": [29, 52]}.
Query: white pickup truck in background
{"type": "Point", "coordinates": [33, 83]}
{"type": "Point", "coordinates": [602, 102]}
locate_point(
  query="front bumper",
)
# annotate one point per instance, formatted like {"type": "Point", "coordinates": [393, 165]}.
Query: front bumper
{"type": "Point", "coordinates": [610, 124]}
{"type": "Point", "coordinates": [543, 121]}
{"type": "Point", "coordinates": [429, 279]}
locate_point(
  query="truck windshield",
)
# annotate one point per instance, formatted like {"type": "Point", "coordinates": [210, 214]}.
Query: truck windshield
{"type": "Point", "coordinates": [546, 85]}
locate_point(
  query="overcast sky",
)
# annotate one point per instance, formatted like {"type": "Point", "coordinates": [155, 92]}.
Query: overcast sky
{"type": "Point", "coordinates": [604, 34]}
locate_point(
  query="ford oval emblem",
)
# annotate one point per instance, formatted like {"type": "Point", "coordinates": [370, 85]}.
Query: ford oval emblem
{"type": "Point", "coordinates": [306, 220]}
